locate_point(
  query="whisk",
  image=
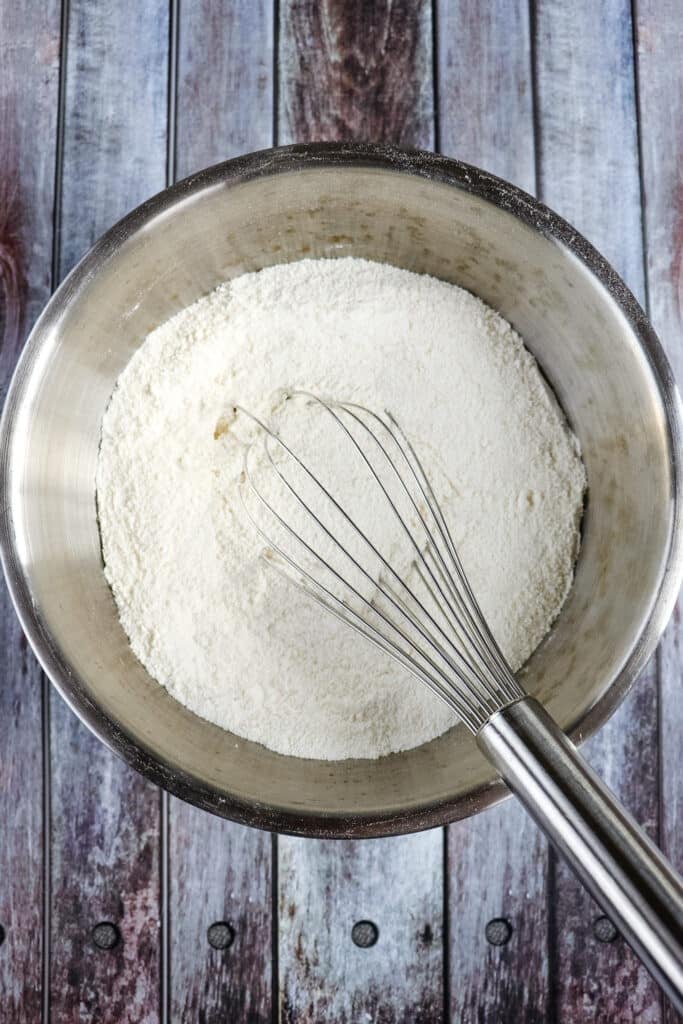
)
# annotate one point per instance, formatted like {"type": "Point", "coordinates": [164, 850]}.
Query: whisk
{"type": "Point", "coordinates": [375, 550]}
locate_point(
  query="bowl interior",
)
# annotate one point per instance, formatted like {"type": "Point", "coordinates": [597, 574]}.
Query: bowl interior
{"type": "Point", "coordinates": [240, 217]}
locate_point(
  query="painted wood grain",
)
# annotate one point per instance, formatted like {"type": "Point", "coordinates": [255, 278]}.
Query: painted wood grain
{"type": "Point", "coordinates": [589, 172]}
{"type": "Point", "coordinates": [218, 871]}
{"type": "Point", "coordinates": [105, 817]}
{"type": "Point", "coordinates": [343, 74]}
{"type": "Point", "coordinates": [29, 86]}
{"type": "Point", "coordinates": [326, 889]}
{"type": "Point", "coordinates": [587, 125]}
{"type": "Point", "coordinates": [359, 71]}
{"type": "Point", "coordinates": [115, 124]}
{"type": "Point", "coordinates": [485, 89]}
{"type": "Point", "coordinates": [353, 70]}
{"type": "Point", "coordinates": [225, 82]}
{"type": "Point", "coordinates": [659, 35]}
{"type": "Point", "coordinates": [498, 874]}
{"type": "Point", "coordinates": [497, 861]}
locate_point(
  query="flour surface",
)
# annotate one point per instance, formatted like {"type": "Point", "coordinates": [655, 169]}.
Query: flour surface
{"type": "Point", "coordinates": [227, 636]}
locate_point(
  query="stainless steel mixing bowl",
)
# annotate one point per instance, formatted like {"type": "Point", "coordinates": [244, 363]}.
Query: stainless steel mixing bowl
{"type": "Point", "coordinates": [422, 212]}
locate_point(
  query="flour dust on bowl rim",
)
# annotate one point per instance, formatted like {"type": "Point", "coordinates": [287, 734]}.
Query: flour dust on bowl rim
{"type": "Point", "coordinates": [430, 215]}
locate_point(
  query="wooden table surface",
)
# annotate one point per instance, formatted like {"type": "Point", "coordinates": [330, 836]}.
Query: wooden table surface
{"type": "Point", "coordinates": [104, 103]}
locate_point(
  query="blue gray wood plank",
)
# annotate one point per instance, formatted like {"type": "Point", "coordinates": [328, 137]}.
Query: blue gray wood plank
{"type": "Point", "coordinates": [589, 172]}
{"type": "Point", "coordinates": [225, 89]}
{"type": "Point", "coordinates": [357, 71]}
{"type": "Point", "coordinates": [29, 87]}
{"type": "Point", "coordinates": [659, 36]}
{"type": "Point", "coordinates": [391, 886]}
{"type": "Point", "coordinates": [497, 861]}
{"type": "Point", "coordinates": [105, 817]}
{"type": "Point", "coordinates": [218, 871]}
{"type": "Point", "coordinates": [485, 87]}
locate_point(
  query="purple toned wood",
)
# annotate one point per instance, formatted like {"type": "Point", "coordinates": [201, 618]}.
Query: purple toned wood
{"type": "Point", "coordinates": [217, 870]}
{"type": "Point", "coordinates": [105, 867]}
{"type": "Point", "coordinates": [589, 173]}
{"type": "Point", "coordinates": [353, 70]}
{"type": "Point", "coordinates": [498, 868]}
{"type": "Point", "coordinates": [486, 118]}
{"type": "Point", "coordinates": [29, 80]}
{"type": "Point", "coordinates": [326, 888]}
{"type": "Point", "coordinates": [659, 35]}
{"type": "Point", "coordinates": [105, 817]}
{"type": "Point", "coordinates": [360, 71]}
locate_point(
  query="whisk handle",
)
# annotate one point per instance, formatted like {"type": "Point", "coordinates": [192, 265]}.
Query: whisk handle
{"type": "Point", "coordinates": [610, 853]}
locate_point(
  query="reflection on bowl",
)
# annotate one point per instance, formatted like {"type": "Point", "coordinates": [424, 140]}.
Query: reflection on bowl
{"type": "Point", "coordinates": [418, 211]}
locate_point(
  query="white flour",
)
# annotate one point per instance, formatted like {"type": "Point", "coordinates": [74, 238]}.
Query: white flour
{"type": "Point", "coordinates": [228, 637]}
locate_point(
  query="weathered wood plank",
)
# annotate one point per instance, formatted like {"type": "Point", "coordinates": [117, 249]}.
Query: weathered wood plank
{"type": "Point", "coordinates": [485, 90]}
{"type": "Point", "coordinates": [105, 817]}
{"type": "Point", "coordinates": [220, 872]}
{"type": "Point", "coordinates": [486, 118]}
{"type": "Point", "coordinates": [394, 885]}
{"type": "Point", "coordinates": [115, 126]}
{"type": "Point", "coordinates": [353, 70]}
{"type": "Point", "coordinates": [659, 35]}
{"type": "Point", "coordinates": [29, 85]}
{"type": "Point", "coordinates": [588, 145]}
{"type": "Point", "coordinates": [359, 71]}
{"type": "Point", "coordinates": [589, 173]}
{"type": "Point", "coordinates": [498, 918]}
{"type": "Point", "coordinates": [225, 82]}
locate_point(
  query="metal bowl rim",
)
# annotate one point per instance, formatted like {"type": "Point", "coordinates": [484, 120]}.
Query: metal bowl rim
{"type": "Point", "coordinates": [282, 160]}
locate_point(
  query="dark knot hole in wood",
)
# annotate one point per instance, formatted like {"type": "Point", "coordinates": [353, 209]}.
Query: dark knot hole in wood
{"type": "Point", "coordinates": [2, 935]}
{"type": "Point", "coordinates": [364, 934]}
{"type": "Point", "coordinates": [604, 930]}
{"type": "Point", "coordinates": [106, 935]}
{"type": "Point", "coordinates": [221, 935]}
{"type": "Point", "coordinates": [498, 931]}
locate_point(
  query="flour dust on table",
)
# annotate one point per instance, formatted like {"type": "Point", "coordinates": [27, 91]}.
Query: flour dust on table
{"type": "Point", "coordinates": [222, 632]}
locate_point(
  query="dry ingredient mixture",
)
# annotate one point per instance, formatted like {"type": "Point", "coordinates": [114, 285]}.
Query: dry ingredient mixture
{"type": "Point", "coordinates": [228, 637]}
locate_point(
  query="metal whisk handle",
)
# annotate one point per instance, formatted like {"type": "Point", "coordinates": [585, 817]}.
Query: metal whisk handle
{"type": "Point", "coordinates": [609, 852]}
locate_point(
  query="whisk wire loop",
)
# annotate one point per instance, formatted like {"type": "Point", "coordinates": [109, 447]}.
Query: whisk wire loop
{"type": "Point", "coordinates": [431, 625]}
{"type": "Point", "coordinates": [499, 670]}
{"type": "Point", "coordinates": [475, 616]}
{"type": "Point", "coordinates": [340, 609]}
{"type": "Point", "coordinates": [401, 607]}
{"type": "Point", "coordinates": [454, 621]}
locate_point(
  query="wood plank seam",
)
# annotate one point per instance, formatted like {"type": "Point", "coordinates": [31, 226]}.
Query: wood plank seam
{"type": "Point", "coordinates": [535, 114]}
{"type": "Point", "coordinates": [274, 71]}
{"type": "Point", "coordinates": [275, 842]}
{"type": "Point", "coordinates": [436, 112]}
{"type": "Point", "coordinates": [641, 169]}
{"type": "Point", "coordinates": [164, 853]}
{"type": "Point", "coordinates": [46, 722]}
